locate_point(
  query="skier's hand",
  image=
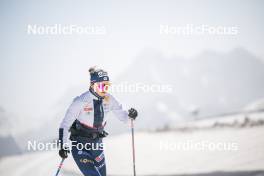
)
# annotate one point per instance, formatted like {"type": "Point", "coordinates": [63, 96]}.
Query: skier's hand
{"type": "Point", "coordinates": [132, 113]}
{"type": "Point", "coordinates": [64, 153]}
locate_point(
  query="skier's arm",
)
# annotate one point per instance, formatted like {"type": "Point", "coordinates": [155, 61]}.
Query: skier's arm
{"type": "Point", "coordinates": [118, 110]}
{"type": "Point", "coordinates": [70, 116]}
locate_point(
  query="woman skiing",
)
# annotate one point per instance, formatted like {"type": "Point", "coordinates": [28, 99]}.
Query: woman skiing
{"type": "Point", "coordinates": [85, 120]}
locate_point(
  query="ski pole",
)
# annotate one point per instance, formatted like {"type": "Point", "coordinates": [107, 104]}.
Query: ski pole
{"type": "Point", "coordinates": [59, 167]}
{"type": "Point", "coordinates": [133, 147]}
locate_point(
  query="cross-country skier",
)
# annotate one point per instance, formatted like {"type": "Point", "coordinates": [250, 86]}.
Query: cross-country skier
{"type": "Point", "coordinates": [85, 120]}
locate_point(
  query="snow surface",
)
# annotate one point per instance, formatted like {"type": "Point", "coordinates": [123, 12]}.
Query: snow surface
{"type": "Point", "coordinates": [152, 159]}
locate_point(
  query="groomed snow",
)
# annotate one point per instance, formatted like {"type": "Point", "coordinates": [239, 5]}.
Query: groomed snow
{"type": "Point", "coordinates": [152, 159]}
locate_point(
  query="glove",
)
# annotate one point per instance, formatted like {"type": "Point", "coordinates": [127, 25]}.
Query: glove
{"type": "Point", "coordinates": [64, 153]}
{"type": "Point", "coordinates": [132, 113]}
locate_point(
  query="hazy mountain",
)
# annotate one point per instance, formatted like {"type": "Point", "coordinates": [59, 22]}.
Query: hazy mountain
{"type": "Point", "coordinates": [8, 146]}
{"type": "Point", "coordinates": [207, 84]}
{"type": "Point", "coordinates": [5, 122]}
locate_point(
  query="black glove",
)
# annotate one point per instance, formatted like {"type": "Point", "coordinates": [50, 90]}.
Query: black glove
{"type": "Point", "coordinates": [64, 153]}
{"type": "Point", "coordinates": [132, 113]}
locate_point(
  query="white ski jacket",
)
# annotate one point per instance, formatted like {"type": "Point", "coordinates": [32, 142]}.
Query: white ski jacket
{"type": "Point", "coordinates": [82, 109]}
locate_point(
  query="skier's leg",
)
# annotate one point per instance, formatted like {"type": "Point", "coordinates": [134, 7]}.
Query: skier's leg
{"type": "Point", "coordinates": [98, 157]}
{"type": "Point", "coordinates": [99, 162]}
{"type": "Point", "coordinates": [90, 162]}
{"type": "Point", "coordinates": [85, 162]}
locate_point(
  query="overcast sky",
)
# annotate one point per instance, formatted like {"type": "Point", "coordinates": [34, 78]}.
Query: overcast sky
{"type": "Point", "coordinates": [36, 70]}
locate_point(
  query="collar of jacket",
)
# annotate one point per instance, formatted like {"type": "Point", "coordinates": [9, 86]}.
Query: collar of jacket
{"type": "Point", "coordinates": [95, 95]}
